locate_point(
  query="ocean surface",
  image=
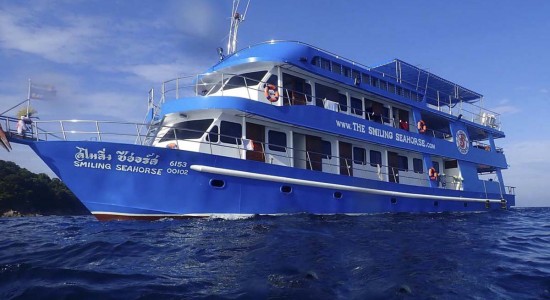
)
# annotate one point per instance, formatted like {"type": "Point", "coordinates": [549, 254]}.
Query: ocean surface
{"type": "Point", "coordinates": [490, 255]}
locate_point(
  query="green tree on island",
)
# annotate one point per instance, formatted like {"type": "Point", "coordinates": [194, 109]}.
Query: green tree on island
{"type": "Point", "coordinates": [25, 193]}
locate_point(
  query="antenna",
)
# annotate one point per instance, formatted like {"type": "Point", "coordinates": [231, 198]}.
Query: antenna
{"type": "Point", "coordinates": [236, 19]}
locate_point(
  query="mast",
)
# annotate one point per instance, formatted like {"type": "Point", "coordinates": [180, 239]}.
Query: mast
{"type": "Point", "coordinates": [236, 19]}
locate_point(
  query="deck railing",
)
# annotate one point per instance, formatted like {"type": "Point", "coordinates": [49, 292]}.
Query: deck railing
{"type": "Point", "coordinates": [219, 84]}
{"type": "Point", "coordinates": [126, 132]}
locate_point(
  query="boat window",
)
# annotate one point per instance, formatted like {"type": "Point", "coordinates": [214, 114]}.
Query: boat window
{"type": "Point", "coordinates": [254, 78]}
{"type": "Point", "coordinates": [399, 91]}
{"type": "Point", "coordinates": [187, 130]}
{"type": "Point", "coordinates": [359, 155]}
{"type": "Point", "coordinates": [217, 86]}
{"type": "Point", "coordinates": [436, 166]}
{"type": "Point", "coordinates": [356, 106]}
{"type": "Point", "coordinates": [356, 75]}
{"type": "Point", "coordinates": [376, 110]}
{"type": "Point", "coordinates": [323, 92]}
{"type": "Point", "coordinates": [277, 141]}
{"type": "Point", "coordinates": [296, 90]}
{"type": "Point", "coordinates": [375, 158]}
{"type": "Point", "coordinates": [235, 82]}
{"type": "Point", "coordinates": [230, 132]}
{"type": "Point", "coordinates": [246, 79]}
{"type": "Point", "coordinates": [451, 164]}
{"type": "Point", "coordinates": [327, 150]}
{"type": "Point", "coordinates": [375, 82]}
{"type": "Point", "coordinates": [336, 68]}
{"type": "Point", "coordinates": [407, 93]}
{"type": "Point", "coordinates": [414, 96]}
{"type": "Point", "coordinates": [213, 135]}
{"type": "Point", "coordinates": [365, 78]}
{"type": "Point", "coordinates": [321, 62]}
{"type": "Point", "coordinates": [383, 85]}
{"type": "Point", "coordinates": [418, 167]}
{"type": "Point", "coordinates": [391, 88]}
{"type": "Point", "coordinates": [403, 163]}
{"type": "Point", "coordinates": [343, 101]}
{"type": "Point", "coordinates": [346, 71]}
{"type": "Point", "coordinates": [316, 61]}
{"type": "Point", "coordinates": [325, 64]}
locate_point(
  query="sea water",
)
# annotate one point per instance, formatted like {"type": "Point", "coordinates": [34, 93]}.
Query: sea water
{"type": "Point", "coordinates": [491, 255]}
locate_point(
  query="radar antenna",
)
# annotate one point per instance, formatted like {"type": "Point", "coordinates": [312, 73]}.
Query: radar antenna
{"type": "Point", "coordinates": [236, 19]}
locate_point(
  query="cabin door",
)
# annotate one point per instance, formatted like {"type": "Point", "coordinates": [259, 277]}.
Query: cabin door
{"type": "Point", "coordinates": [393, 167]}
{"type": "Point", "coordinates": [401, 118]}
{"type": "Point", "coordinates": [314, 148]}
{"type": "Point", "coordinates": [256, 133]}
{"type": "Point", "coordinates": [345, 159]}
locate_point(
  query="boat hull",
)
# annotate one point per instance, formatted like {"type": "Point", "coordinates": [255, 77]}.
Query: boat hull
{"type": "Point", "coordinates": [123, 181]}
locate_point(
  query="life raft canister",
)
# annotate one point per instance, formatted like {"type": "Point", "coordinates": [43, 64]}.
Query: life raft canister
{"type": "Point", "coordinates": [271, 93]}
{"type": "Point", "coordinates": [433, 174]}
{"type": "Point", "coordinates": [422, 126]}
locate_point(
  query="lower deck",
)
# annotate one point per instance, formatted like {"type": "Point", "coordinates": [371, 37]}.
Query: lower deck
{"type": "Point", "coordinates": [234, 134]}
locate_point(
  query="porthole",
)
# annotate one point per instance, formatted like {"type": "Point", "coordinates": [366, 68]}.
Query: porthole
{"type": "Point", "coordinates": [286, 189]}
{"type": "Point", "coordinates": [217, 183]}
{"type": "Point", "coordinates": [436, 203]}
{"type": "Point", "coordinates": [465, 204]}
{"type": "Point", "coordinates": [338, 195]}
{"type": "Point", "coordinates": [393, 201]}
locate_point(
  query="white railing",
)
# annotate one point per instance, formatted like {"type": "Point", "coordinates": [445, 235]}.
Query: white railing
{"type": "Point", "coordinates": [126, 132]}
{"type": "Point", "coordinates": [217, 84]}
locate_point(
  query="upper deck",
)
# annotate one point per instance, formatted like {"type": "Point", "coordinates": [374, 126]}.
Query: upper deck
{"type": "Point", "coordinates": [396, 80]}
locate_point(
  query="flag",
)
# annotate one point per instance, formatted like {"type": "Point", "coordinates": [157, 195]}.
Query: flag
{"type": "Point", "coordinates": [41, 91]}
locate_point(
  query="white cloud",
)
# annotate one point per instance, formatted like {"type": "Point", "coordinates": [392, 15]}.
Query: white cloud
{"type": "Point", "coordinates": [529, 163]}
{"type": "Point", "coordinates": [506, 109]}
{"type": "Point", "coordinates": [196, 17]}
{"type": "Point", "coordinates": [65, 44]}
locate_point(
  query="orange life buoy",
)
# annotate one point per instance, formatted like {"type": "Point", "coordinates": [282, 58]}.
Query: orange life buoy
{"type": "Point", "coordinates": [172, 146]}
{"type": "Point", "coordinates": [422, 126]}
{"type": "Point", "coordinates": [271, 93]}
{"type": "Point", "coordinates": [433, 174]}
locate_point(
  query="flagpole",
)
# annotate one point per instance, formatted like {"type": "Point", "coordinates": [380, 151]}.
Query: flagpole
{"type": "Point", "coordinates": [29, 98]}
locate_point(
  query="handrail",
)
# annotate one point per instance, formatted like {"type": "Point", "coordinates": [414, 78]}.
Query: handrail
{"type": "Point", "coordinates": [290, 153]}
{"type": "Point", "coordinates": [210, 84]}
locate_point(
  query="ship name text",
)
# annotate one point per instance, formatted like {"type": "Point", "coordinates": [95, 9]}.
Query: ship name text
{"type": "Point", "coordinates": [385, 134]}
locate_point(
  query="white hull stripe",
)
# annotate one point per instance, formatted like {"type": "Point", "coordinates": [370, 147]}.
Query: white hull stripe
{"type": "Point", "coordinates": [325, 185]}
{"type": "Point", "coordinates": [225, 216]}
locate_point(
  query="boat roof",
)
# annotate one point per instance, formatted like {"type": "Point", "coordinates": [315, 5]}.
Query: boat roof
{"type": "Point", "coordinates": [427, 81]}
{"type": "Point", "coordinates": [438, 91]}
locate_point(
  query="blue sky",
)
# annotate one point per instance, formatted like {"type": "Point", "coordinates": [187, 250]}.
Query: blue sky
{"type": "Point", "coordinates": [103, 56]}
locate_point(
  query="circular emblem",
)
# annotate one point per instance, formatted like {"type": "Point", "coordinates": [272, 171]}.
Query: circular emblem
{"type": "Point", "coordinates": [462, 142]}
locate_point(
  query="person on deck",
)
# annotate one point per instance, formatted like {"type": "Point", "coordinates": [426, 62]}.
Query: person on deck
{"type": "Point", "coordinates": [22, 126]}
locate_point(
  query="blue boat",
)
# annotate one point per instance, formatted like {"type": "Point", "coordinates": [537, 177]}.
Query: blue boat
{"type": "Point", "coordinates": [284, 127]}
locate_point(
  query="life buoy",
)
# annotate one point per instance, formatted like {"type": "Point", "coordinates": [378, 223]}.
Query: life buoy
{"type": "Point", "coordinates": [172, 146]}
{"type": "Point", "coordinates": [422, 126]}
{"type": "Point", "coordinates": [487, 148]}
{"type": "Point", "coordinates": [433, 174]}
{"type": "Point", "coordinates": [271, 93]}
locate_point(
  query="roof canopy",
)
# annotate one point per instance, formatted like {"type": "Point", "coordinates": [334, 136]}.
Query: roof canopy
{"type": "Point", "coordinates": [438, 90]}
